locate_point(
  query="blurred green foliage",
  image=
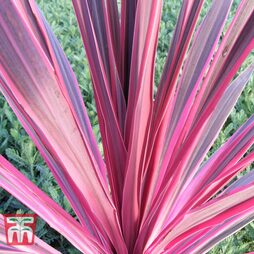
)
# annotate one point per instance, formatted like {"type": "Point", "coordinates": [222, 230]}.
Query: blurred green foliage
{"type": "Point", "coordinates": [19, 149]}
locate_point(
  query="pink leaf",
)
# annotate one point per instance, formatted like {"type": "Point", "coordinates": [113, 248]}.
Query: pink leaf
{"type": "Point", "coordinates": [24, 190]}
{"type": "Point", "coordinates": [139, 110]}
{"type": "Point", "coordinates": [90, 14]}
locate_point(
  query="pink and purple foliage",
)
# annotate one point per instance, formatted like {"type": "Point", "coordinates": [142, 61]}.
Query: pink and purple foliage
{"type": "Point", "coordinates": [152, 192]}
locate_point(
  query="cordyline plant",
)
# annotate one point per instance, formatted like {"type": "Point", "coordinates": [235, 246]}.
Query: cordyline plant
{"type": "Point", "coordinates": [152, 192]}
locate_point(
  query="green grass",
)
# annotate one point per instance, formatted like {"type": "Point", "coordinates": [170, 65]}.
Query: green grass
{"type": "Point", "coordinates": [19, 149]}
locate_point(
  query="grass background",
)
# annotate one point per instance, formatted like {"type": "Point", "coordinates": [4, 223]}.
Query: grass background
{"type": "Point", "coordinates": [19, 149]}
